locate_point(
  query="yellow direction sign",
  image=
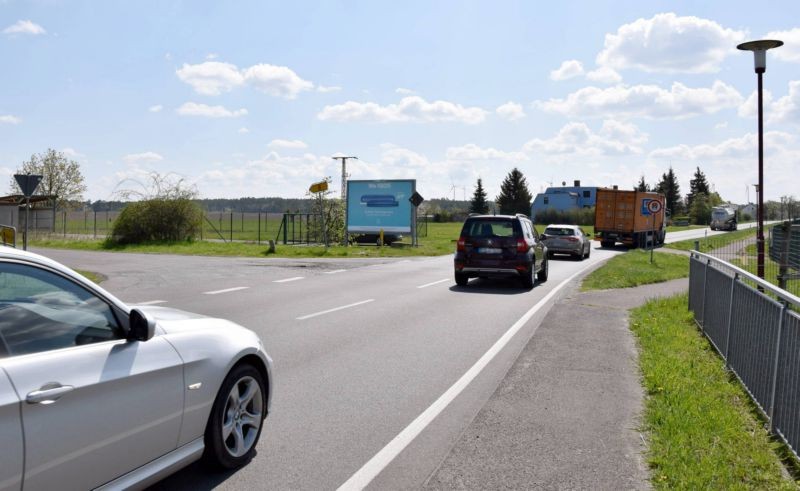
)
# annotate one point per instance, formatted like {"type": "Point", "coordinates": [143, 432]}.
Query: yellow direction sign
{"type": "Point", "coordinates": [7, 235]}
{"type": "Point", "coordinates": [319, 187]}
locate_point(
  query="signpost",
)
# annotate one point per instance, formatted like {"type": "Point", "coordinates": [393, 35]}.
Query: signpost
{"type": "Point", "coordinates": [416, 199]}
{"type": "Point", "coordinates": [654, 207]}
{"type": "Point", "coordinates": [28, 184]}
{"type": "Point", "coordinates": [318, 188]}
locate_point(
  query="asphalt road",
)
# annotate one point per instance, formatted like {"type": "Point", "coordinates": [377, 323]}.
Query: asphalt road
{"type": "Point", "coordinates": [362, 349]}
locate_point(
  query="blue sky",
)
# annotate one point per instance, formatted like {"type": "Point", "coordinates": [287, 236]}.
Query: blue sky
{"type": "Point", "coordinates": [253, 98]}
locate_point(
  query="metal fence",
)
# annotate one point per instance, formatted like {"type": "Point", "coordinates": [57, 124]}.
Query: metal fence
{"type": "Point", "coordinates": [781, 253]}
{"type": "Point", "coordinates": [755, 327]}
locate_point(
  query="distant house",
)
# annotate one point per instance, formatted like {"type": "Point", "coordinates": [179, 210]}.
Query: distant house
{"type": "Point", "coordinates": [564, 198]}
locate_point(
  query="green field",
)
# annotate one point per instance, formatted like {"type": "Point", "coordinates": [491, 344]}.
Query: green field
{"type": "Point", "coordinates": [634, 268]}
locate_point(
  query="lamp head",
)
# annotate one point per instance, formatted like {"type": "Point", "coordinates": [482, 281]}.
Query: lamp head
{"type": "Point", "coordinates": [759, 49]}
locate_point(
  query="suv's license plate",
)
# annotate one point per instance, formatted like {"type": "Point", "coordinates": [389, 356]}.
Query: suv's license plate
{"type": "Point", "coordinates": [489, 250]}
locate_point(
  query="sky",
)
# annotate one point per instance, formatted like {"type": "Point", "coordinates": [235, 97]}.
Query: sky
{"type": "Point", "coordinates": [254, 98]}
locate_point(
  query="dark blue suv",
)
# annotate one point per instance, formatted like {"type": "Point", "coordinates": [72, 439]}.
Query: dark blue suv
{"type": "Point", "coordinates": [493, 246]}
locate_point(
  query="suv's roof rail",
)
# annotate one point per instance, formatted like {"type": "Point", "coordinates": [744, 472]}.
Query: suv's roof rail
{"type": "Point", "coordinates": [521, 215]}
{"type": "Point", "coordinates": [475, 214]}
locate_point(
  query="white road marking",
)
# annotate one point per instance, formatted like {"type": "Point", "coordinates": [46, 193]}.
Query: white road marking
{"type": "Point", "coordinates": [216, 292]}
{"type": "Point", "coordinates": [433, 283]}
{"type": "Point", "coordinates": [335, 271]}
{"type": "Point", "coordinates": [387, 454]}
{"type": "Point", "coordinates": [335, 309]}
{"type": "Point", "coordinates": [287, 280]}
{"type": "Point", "coordinates": [151, 302]}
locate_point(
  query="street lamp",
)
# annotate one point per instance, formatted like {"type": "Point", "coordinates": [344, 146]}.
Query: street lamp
{"type": "Point", "coordinates": [759, 49]}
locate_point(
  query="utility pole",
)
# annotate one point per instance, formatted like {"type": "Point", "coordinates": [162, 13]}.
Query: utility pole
{"type": "Point", "coordinates": [344, 176]}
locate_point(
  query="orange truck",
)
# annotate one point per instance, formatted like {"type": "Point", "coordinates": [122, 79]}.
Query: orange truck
{"type": "Point", "coordinates": [635, 218]}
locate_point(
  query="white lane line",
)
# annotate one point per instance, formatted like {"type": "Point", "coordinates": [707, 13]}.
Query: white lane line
{"type": "Point", "coordinates": [335, 271]}
{"type": "Point", "coordinates": [287, 280]}
{"type": "Point", "coordinates": [335, 309]}
{"type": "Point", "coordinates": [151, 302]}
{"type": "Point", "coordinates": [235, 289]}
{"type": "Point", "coordinates": [387, 454]}
{"type": "Point", "coordinates": [433, 283]}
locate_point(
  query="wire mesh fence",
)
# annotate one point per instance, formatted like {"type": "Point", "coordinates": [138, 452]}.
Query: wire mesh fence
{"type": "Point", "coordinates": [755, 327]}
{"type": "Point", "coordinates": [781, 253]}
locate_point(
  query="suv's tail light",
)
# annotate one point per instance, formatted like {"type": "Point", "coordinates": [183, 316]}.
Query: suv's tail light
{"type": "Point", "coordinates": [460, 245]}
{"type": "Point", "coordinates": [522, 246]}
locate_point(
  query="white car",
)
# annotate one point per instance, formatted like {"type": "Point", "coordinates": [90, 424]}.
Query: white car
{"type": "Point", "coordinates": [96, 394]}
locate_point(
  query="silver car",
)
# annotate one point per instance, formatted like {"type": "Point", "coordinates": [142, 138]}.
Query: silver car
{"type": "Point", "coordinates": [96, 394]}
{"type": "Point", "coordinates": [567, 239]}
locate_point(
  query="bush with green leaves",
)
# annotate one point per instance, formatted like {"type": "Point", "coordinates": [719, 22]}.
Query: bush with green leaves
{"type": "Point", "coordinates": [157, 220]}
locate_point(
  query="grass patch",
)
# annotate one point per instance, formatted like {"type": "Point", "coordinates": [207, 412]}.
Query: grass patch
{"type": "Point", "coordinates": [634, 268]}
{"type": "Point", "coordinates": [702, 428]}
{"type": "Point", "coordinates": [440, 239]}
{"type": "Point", "coordinates": [713, 242]}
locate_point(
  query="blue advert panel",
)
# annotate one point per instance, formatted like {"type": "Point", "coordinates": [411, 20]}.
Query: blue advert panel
{"type": "Point", "coordinates": [376, 205]}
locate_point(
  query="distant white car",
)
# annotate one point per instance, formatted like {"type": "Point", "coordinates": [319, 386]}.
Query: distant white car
{"type": "Point", "coordinates": [96, 394]}
{"type": "Point", "coordinates": [567, 239]}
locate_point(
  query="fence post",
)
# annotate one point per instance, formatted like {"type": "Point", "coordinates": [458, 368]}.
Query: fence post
{"type": "Point", "coordinates": [258, 240]}
{"type": "Point", "coordinates": [285, 227]}
{"type": "Point", "coordinates": [202, 223]}
{"type": "Point", "coordinates": [705, 282]}
{"type": "Point", "coordinates": [231, 226]}
{"type": "Point", "coordinates": [783, 267]}
{"type": "Point", "coordinates": [95, 224]}
{"type": "Point", "coordinates": [775, 368]}
{"type": "Point", "coordinates": [730, 320]}
{"type": "Point", "coordinates": [65, 224]}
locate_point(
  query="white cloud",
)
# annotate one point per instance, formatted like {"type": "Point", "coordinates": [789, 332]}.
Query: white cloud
{"type": "Point", "coordinates": [287, 144]}
{"type": "Point", "coordinates": [474, 152]}
{"type": "Point", "coordinates": [787, 108]}
{"type": "Point", "coordinates": [749, 108]}
{"type": "Point", "coordinates": [744, 147]}
{"type": "Point", "coordinates": [409, 109]}
{"type": "Point", "coordinates": [276, 80]}
{"type": "Point", "coordinates": [604, 75]}
{"type": "Point", "coordinates": [211, 77]}
{"type": "Point", "coordinates": [195, 109]}
{"type": "Point", "coordinates": [648, 101]}
{"type": "Point", "coordinates": [155, 109]}
{"type": "Point", "coordinates": [24, 27]}
{"type": "Point", "coordinates": [243, 130]}
{"type": "Point", "coordinates": [212, 56]}
{"type": "Point", "coordinates": [721, 126]}
{"type": "Point", "coordinates": [145, 157]}
{"type": "Point", "coordinates": [9, 119]}
{"type": "Point", "coordinates": [790, 51]}
{"type": "Point", "coordinates": [667, 43]}
{"type": "Point", "coordinates": [510, 111]}
{"type": "Point", "coordinates": [71, 152]}
{"type": "Point", "coordinates": [325, 89]}
{"type": "Point", "coordinates": [568, 69]}
{"type": "Point", "coordinates": [613, 138]}
{"type": "Point", "coordinates": [404, 91]}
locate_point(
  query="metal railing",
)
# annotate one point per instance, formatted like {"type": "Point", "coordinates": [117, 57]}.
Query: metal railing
{"type": "Point", "coordinates": [755, 327]}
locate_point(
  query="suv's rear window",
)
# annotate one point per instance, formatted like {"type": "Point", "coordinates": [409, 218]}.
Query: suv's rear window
{"type": "Point", "coordinates": [489, 228]}
{"type": "Point", "coordinates": [562, 231]}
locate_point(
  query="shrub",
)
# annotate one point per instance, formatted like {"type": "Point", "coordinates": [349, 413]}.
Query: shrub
{"type": "Point", "coordinates": [577, 216]}
{"type": "Point", "coordinates": [157, 220]}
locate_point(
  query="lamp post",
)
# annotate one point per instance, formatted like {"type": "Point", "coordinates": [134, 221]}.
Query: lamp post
{"type": "Point", "coordinates": [759, 49]}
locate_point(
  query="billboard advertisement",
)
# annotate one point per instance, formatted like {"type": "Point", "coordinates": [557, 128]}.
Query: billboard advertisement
{"type": "Point", "coordinates": [380, 205]}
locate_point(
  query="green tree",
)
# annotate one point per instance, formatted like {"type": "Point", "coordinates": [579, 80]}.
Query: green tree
{"type": "Point", "coordinates": [514, 196]}
{"type": "Point", "coordinates": [700, 211]}
{"type": "Point", "coordinates": [669, 187]}
{"type": "Point", "coordinates": [478, 204]}
{"type": "Point", "coordinates": [62, 181]}
{"type": "Point", "coordinates": [698, 185]}
{"type": "Point", "coordinates": [642, 185]}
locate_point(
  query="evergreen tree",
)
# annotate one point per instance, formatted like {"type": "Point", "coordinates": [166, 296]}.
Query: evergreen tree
{"type": "Point", "coordinates": [669, 187]}
{"type": "Point", "coordinates": [700, 210]}
{"type": "Point", "coordinates": [642, 186]}
{"type": "Point", "coordinates": [514, 196]}
{"type": "Point", "coordinates": [478, 204]}
{"type": "Point", "coordinates": [698, 185]}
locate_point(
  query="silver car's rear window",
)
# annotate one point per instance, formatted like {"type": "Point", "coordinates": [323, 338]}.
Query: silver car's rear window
{"type": "Point", "coordinates": [559, 231]}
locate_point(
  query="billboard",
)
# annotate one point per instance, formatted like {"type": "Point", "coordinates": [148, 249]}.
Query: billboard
{"type": "Point", "coordinates": [376, 205]}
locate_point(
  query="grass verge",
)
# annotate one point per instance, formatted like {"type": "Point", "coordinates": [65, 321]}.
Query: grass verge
{"type": "Point", "coordinates": [634, 268]}
{"type": "Point", "coordinates": [713, 242]}
{"type": "Point", "coordinates": [702, 428]}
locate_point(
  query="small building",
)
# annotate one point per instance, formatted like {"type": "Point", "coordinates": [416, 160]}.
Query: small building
{"type": "Point", "coordinates": [564, 198]}
{"type": "Point", "coordinates": [748, 209]}
{"type": "Point", "coordinates": [12, 212]}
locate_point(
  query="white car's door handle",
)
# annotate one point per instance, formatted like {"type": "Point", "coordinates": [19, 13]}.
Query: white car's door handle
{"type": "Point", "coordinates": [48, 394]}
